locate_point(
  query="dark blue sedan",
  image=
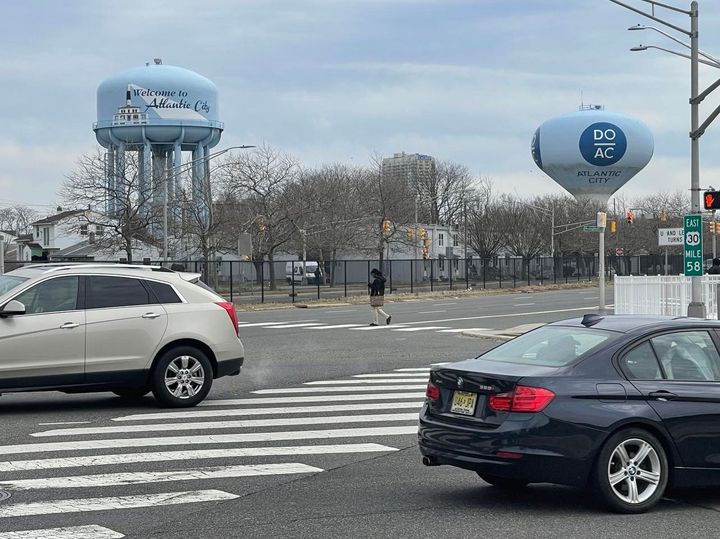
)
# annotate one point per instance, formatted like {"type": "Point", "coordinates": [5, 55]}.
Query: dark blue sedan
{"type": "Point", "coordinates": [624, 405]}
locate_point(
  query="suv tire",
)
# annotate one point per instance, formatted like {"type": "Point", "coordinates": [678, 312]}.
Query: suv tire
{"type": "Point", "coordinates": [182, 377]}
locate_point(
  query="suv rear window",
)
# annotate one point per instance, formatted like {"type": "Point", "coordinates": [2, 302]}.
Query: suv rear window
{"type": "Point", "coordinates": [104, 292]}
{"type": "Point", "coordinates": [551, 346]}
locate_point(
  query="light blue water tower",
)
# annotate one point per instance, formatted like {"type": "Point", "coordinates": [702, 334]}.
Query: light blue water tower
{"type": "Point", "coordinates": [158, 111]}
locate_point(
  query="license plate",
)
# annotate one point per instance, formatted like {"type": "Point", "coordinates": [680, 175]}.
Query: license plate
{"type": "Point", "coordinates": [463, 403]}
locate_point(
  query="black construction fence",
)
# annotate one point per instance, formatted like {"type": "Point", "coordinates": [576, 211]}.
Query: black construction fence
{"type": "Point", "coordinates": [293, 281]}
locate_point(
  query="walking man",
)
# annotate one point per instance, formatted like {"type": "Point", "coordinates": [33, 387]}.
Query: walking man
{"type": "Point", "coordinates": [377, 296]}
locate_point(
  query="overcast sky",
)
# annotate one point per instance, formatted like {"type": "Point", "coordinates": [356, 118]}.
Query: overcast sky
{"type": "Point", "coordinates": [339, 80]}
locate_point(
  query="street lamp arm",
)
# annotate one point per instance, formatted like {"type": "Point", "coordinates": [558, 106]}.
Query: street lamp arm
{"type": "Point", "coordinates": [676, 40]}
{"type": "Point", "coordinates": [656, 19]}
{"type": "Point", "coordinates": [645, 47]}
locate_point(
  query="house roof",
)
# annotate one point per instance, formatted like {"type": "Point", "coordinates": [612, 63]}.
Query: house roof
{"type": "Point", "coordinates": [24, 238]}
{"type": "Point", "coordinates": [57, 217]}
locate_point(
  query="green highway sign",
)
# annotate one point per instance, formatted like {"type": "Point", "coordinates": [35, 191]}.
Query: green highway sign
{"type": "Point", "coordinates": [693, 249]}
{"type": "Point", "coordinates": [587, 228]}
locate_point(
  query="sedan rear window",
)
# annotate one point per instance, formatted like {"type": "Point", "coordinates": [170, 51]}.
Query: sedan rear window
{"type": "Point", "coordinates": [551, 346]}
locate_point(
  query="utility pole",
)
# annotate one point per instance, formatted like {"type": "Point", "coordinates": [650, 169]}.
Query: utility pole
{"type": "Point", "coordinates": [2, 255]}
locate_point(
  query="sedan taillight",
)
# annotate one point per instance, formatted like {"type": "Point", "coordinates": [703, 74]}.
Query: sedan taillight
{"type": "Point", "coordinates": [432, 393]}
{"type": "Point", "coordinates": [522, 399]}
{"type": "Point", "coordinates": [230, 309]}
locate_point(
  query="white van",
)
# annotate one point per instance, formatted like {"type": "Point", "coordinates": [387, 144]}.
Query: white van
{"type": "Point", "coordinates": [308, 277]}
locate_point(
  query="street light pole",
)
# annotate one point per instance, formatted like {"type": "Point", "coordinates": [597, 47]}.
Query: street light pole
{"type": "Point", "coordinates": [171, 173]}
{"type": "Point", "coordinates": [696, 308]}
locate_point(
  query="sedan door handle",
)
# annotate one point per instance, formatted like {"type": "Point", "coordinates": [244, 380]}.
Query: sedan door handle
{"type": "Point", "coordinates": [151, 315]}
{"type": "Point", "coordinates": [662, 395]}
{"type": "Point", "coordinates": [69, 325]}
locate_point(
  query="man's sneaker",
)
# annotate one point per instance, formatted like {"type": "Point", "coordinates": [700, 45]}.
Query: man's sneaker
{"type": "Point", "coordinates": [373, 324]}
{"type": "Point", "coordinates": [388, 320]}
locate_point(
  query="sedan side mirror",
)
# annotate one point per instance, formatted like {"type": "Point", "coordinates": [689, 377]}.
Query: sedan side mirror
{"type": "Point", "coordinates": [12, 308]}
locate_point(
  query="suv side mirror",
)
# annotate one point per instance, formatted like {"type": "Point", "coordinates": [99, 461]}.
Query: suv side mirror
{"type": "Point", "coordinates": [12, 308]}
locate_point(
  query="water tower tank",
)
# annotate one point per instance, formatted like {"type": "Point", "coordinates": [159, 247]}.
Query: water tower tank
{"type": "Point", "coordinates": [592, 153]}
{"type": "Point", "coordinates": [158, 111]}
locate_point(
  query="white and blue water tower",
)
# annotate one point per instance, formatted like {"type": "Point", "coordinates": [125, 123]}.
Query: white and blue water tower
{"type": "Point", "coordinates": [592, 153]}
{"type": "Point", "coordinates": [158, 111]}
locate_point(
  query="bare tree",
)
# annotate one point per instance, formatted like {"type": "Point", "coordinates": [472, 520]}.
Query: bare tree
{"type": "Point", "coordinates": [485, 233]}
{"type": "Point", "coordinates": [17, 218]}
{"type": "Point", "coordinates": [442, 192]}
{"type": "Point", "coordinates": [126, 209]}
{"type": "Point", "coordinates": [261, 179]}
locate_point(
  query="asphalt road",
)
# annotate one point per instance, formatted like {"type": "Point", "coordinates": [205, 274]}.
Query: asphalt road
{"type": "Point", "coordinates": [316, 438]}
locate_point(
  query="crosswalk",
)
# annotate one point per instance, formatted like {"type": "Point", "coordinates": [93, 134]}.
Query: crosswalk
{"type": "Point", "coordinates": [312, 325]}
{"type": "Point", "coordinates": [198, 455]}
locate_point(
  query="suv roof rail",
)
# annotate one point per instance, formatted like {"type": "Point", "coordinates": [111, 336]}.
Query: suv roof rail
{"type": "Point", "coordinates": [58, 266]}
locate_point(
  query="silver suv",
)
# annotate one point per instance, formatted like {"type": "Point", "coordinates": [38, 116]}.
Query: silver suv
{"type": "Point", "coordinates": [126, 329]}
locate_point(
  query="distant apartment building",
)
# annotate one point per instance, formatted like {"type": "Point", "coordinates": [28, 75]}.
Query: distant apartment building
{"type": "Point", "coordinates": [410, 166]}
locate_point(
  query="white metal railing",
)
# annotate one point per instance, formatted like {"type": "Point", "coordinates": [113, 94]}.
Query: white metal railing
{"type": "Point", "coordinates": [663, 294]}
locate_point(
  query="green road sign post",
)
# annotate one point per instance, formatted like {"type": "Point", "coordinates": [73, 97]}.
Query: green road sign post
{"type": "Point", "coordinates": [693, 252]}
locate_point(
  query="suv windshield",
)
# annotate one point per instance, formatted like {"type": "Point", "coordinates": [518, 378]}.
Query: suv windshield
{"type": "Point", "coordinates": [551, 346]}
{"type": "Point", "coordinates": [8, 282]}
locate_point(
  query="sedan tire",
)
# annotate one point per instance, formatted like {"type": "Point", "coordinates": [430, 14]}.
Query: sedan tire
{"type": "Point", "coordinates": [182, 377]}
{"type": "Point", "coordinates": [631, 473]}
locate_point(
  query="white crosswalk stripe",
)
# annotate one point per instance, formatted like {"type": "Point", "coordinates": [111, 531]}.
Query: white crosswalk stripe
{"type": "Point", "coordinates": [337, 326]}
{"type": "Point", "coordinates": [239, 424]}
{"type": "Point", "coordinates": [406, 327]}
{"type": "Point", "coordinates": [304, 324]}
{"type": "Point", "coordinates": [72, 532]}
{"type": "Point", "coordinates": [365, 408]}
{"type": "Point", "coordinates": [54, 507]}
{"type": "Point", "coordinates": [194, 414]}
{"type": "Point", "coordinates": [134, 478]}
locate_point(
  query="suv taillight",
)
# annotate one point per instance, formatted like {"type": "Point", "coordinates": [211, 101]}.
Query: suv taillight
{"type": "Point", "coordinates": [230, 309]}
{"type": "Point", "coordinates": [522, 399]}
{"type": "Point", "coordinates": [432, 392]}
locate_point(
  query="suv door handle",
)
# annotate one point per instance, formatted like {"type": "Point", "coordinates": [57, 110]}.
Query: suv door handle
{"type": "Point", "coordinates": [151, 315]}
{"type": "Point", "coordinates": [662, 395]}
{"type": "Point", "coordinates": [69, 325]}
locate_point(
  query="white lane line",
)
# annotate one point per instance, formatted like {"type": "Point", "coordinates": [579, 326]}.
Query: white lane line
{"type": "Point", "coordinates": [304, 324]}
{"type": "Point", "coordinates": [413, 380]}
{"type": "Point", "coordinates": [238, 424]}
{"type": "Point", "coordinates": [342, 389]}
{"type": "Point", "coordinates": [508, 315]}
{"type": "Point", "coordinates": [199, 454]}
{"type": "Point", "coordinates": [64, 423]}
{"type": "Point", "coordinates": [137, 478]}
{"type": "Point", "coordinates": [343, 311]}
{"type": "Point", "coordinates": [375, 328]}
{"type": "Point", "coordinates": [426, 328]}
{"type": "Point", "coordinates": [92, 531]}
{"type": "Point", "coordinates": [392, 375]}
{"type": "Point", "coordinates": [247, 325]}
{"type": "Point", "coordinates": [430, 312]}
{"type": "Point", "coordinates": [523, 304]}
{"type": "Point", "coordinates": [386, 406]}
{"type": "Point", "coordinates": [444, 304]}
{"type": "Point", "coordinates": [421, 369]}
{"type": "Point", "coordinates": [116, 443]}
{"type": "Point", "coordinates": [338, 326]}
{"type": "Point", "coordinates": [290, 400]}
{"type": "Point", "coordinates": [81, 505]}
{"type": "Point", "coordinates": [462, 329]}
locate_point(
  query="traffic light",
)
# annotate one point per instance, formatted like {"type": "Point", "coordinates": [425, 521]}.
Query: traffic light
{"type": "Point", "coordinates": [386, 226]}
{"type": "Point", "coordinates": [424, 253]}
{"type": "Point", "coordinates": [663, 215]}
{"type": "Point", "coordinates": [421, 233]}
{"type": "Point", "coordinates": [712, 200]}
{"type": "Point", "coordinates": [613, 226]}
{"type": "Point", "coordinates": [411, 234]}
{"type": "Point", "coordinates": [630, 217]}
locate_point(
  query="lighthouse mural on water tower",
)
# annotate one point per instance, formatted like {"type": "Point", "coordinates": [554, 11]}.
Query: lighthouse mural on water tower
{"type": "Point", "coordinates": [592, 153]}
